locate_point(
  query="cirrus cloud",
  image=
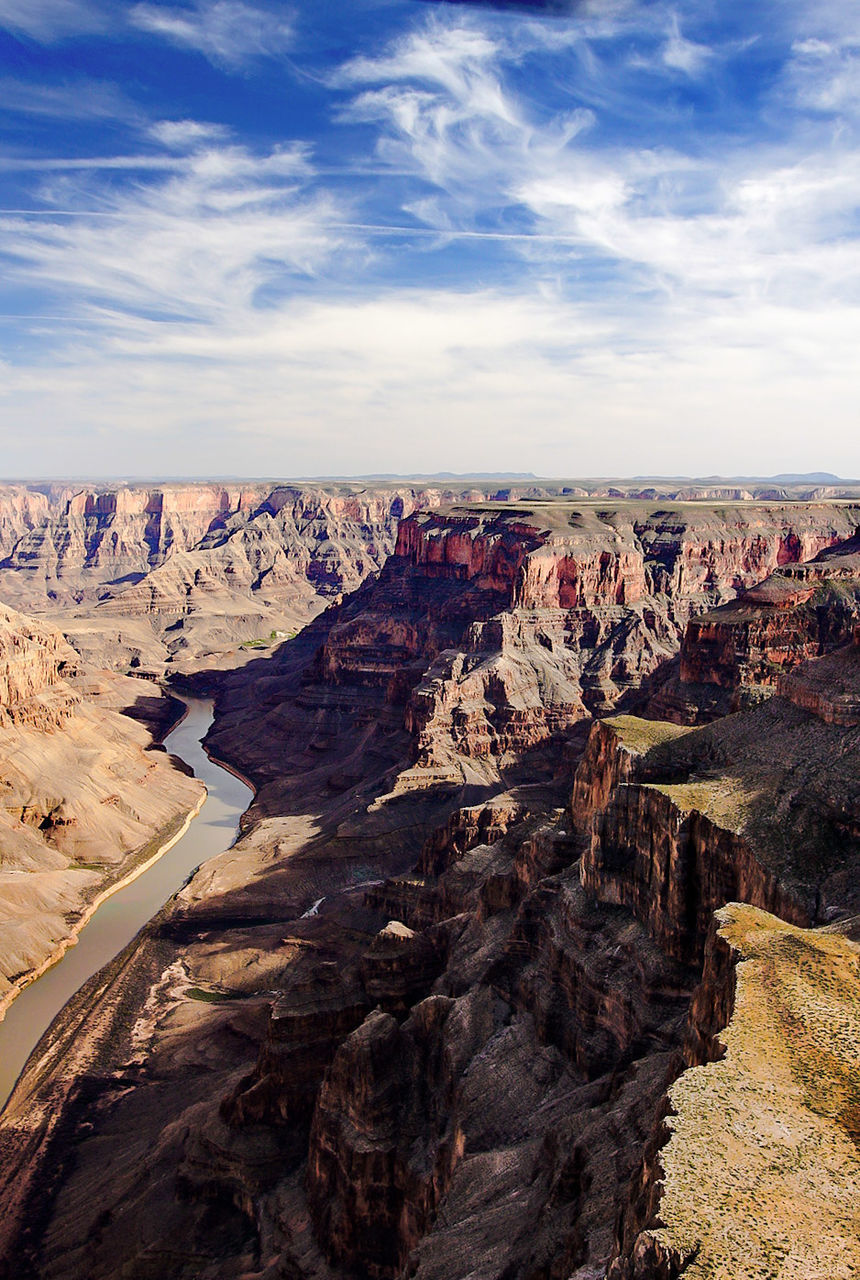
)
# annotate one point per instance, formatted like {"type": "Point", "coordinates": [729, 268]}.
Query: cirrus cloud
{"type": "Point", "coordinates": [230, 33]}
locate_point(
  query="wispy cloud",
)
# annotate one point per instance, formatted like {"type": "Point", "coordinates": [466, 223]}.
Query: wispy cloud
{"type": "Point", "coordinates": [199, 240]}
{"type": "Point", "coordinates": [185, 135]}
{"type": "Point", "coordinates": [729, 222]}
{"type": "Point", "coordinates": [824, 75]}
{"type": "Point", "coordinates": [529, 381]}
{"type": "Point", "coordinates": [227, 32]}
{"type": "Point", "coordinates": [451, 117]}
{"type": "Point", "coordinates": [50, 20]}
{"type": "Point", "coordinates": [682, 54]}
{"type": "Point", "coordinates": [79, 99]}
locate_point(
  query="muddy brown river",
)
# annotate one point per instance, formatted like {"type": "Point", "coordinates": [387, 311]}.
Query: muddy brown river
{"type": "Point", "coordinates": [122, 915]}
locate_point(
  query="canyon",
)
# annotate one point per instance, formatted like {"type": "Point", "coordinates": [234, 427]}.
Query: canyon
{"type": "Point", "coordinates": [86, 802]}
{"type": "Point", "coordinates": [466, 997]}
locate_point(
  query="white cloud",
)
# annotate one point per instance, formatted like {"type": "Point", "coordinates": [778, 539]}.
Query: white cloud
{"type": "Point", "coordinates": [451, 118]}
{"type": "Point", "coordinates": [82, 99]}
{"type": "Point", "coordinates": [227, 32]}
{"type": "Point", "coordinates": [684, 55]}
{"type": "Point", "coordinates": [666, 300]}
{"type": "Point", "coordinates": [765, 221]}
{"type": "Point", "coordinates": [50, 20]}
{"type": "Point", "coordinates": [407, 380]}
{"type": "Point", "coordinates": [824, 76]}
{"type": "Point", "coordinates": [197, 241]}
{"type": "Point", "coordinates": [185, 135]}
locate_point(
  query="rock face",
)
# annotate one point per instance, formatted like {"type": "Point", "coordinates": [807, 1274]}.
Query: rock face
{"type": "Point", "coordinates": [193, 570]}
{"type": "Point", "coordinates": [83, 800]}
{"type": "Point", "coordinates": [33, 663]}
{"type": "Point", "coordinates": [421, 1020]}
{"type": "Point", "coordinates": [762, 808]}
{"type": "Point", "coordinates": [740, 652]}
{"type": "Point", "coordinates": [760, 1148]}
{"type": "Point", "coordinates": [651, 832]}
{"type": "Point", "coordinates": [504, 628]}
{"type": "Point", "coordinates": [185, 574]}
{"type": "Point", "coordinates": [382, 1146]}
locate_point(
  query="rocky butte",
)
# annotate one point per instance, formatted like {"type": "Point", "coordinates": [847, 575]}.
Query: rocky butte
{"type": "Point", "coordinates": [537, 956]}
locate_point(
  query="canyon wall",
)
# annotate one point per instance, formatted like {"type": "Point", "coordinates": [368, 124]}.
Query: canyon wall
{"type": "Point", "coordinates": [34, 660]}
{"type": "Point", "coordinates": [83, 798]}
{"type": "Point", "coordinates": [145, 575]}
{"type": "Point", "coordinates": [422, 1019]}
{"type": "Point", "coordinates": [737, 654]}
{"type": "Point", "coordinates": [503, 628]}
{"type": "Point", "coordinates": [753, 1171]}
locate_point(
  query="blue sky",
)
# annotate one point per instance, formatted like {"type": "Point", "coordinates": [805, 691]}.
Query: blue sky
{"type": "Point", "coordinates": [352, 236]}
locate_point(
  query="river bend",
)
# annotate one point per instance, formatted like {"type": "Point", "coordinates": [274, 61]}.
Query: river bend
{"type": "Point", "coordinates": [123, 914]}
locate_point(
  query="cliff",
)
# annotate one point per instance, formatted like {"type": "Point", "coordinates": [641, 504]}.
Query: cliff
{"type": "Point", "coordinates": [144, 575]}
{"type": "Point", "coordinates": [83, 799]}
{"type": "Point", "coordinates": [761, 808]}
{"type": "Point", "coordinates": [186, 574]}
{"type": "Point", "coordinates": [738, 653]}
{"type": "Point", "coordinates": [758, 1166]}
{"type": "Point", "coordinates": [33, 663]}
{"type": "Point", "coordinates": [503, 628]}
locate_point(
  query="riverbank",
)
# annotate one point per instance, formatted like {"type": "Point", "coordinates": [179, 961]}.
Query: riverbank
{"type": "Point", "coordinates": [118, 911]}
{"type": "Point", "coordinates": [141, 860]}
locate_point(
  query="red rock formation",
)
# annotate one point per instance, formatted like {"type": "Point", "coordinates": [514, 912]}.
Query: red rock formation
{"type": "Point", "coordinates": [501, 629]}
{"type": "Point", "coordinates": [192, 570]}
{"type": "Point", "coordinates": [741, 650]}
{"type": "Point", "coordinates": [674, 867]}
{"type": "Point", "coordinates": [466, 828]}
{"type": "Point", "coordinates": [382, 1148]}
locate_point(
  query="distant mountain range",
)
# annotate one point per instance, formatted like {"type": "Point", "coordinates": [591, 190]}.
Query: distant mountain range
{"type": "Point", "coordinates": [425, 477]}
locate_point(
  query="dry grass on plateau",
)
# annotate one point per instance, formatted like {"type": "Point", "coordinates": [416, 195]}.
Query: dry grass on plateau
{"type": "Point", "coordinates": [762, 1172]}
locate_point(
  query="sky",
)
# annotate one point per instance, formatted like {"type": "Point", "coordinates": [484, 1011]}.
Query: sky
{"type": "Point", "coordinates": [338, 237]}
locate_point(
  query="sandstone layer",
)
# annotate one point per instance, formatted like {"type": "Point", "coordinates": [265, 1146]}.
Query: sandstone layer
{"type": "Point", "coordinates": [140, 576]}
{"type": "Point", "coordinates": [185, 575]}
{"type": "Point", "coordinates": [739, 653]}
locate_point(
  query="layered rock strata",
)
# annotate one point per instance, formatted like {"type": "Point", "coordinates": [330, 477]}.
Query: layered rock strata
{"type": "Point", "coordinates": [83, 800]}
{"type": "Point", "coordinates": [143, 575]}
{"type": "Point", "coordinates": [33, 663]}
{"type": "Point", "coordinates": [740, 652]}
{"type": "Point", "coordinates": [763, 808]}
{"type": "Point", "coordinates": [574, 610]}
{"type": "Point", "coordinates": [422, 1018]}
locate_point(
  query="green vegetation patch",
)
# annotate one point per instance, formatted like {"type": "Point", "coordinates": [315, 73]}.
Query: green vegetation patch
{"type": "Point", "coordinates": [210, 997]}
{"type": "Point", "coordinates": [263, 642]}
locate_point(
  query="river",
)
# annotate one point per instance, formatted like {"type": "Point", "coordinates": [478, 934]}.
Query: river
{"type": "Point", "coordinates": [120, 917]}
